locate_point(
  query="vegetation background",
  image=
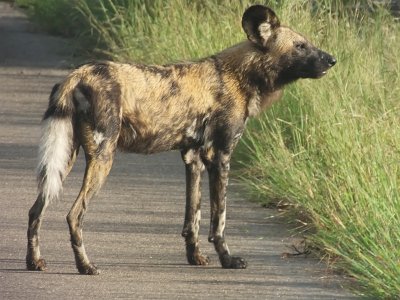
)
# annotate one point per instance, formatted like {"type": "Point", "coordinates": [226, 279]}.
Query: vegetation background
{"type": "Point", "coordinates": [330, 150]}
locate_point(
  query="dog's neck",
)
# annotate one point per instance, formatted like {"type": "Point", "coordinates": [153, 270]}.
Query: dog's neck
{"type": "Point", "coordinates": [258, 77]}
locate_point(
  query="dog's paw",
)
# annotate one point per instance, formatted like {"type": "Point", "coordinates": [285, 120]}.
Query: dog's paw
{"type": "Point", "coordinates": [198, 259]}
{"type": "Point", "coordinates": [89, 269]}
{"type": "Point", "coordinates": [233, 262]}
{"type": "Point", "coordinates": [36, 265]}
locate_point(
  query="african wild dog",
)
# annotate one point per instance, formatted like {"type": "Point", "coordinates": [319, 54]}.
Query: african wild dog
{"type": "Point", "coordinates": [199, 108]}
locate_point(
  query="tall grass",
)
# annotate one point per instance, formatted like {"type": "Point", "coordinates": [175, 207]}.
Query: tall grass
{"type": "Point", "coordinates": [331, 147]}
{"type": "Point", "coordinates": [162, 31]}
{"type": "Point", "coordinates": [57, 17]}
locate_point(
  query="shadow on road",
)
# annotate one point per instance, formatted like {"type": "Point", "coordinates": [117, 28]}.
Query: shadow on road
{"type": "Point", "coordinates": [22, 45]}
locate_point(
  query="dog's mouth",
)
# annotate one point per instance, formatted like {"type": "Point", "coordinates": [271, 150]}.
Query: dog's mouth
{"type": "Point", "coordinates": [315, 74]}
{"type": "Point", "coordinates": [322, 74]}
{"type": "Point", "coordinates": [329, 62]}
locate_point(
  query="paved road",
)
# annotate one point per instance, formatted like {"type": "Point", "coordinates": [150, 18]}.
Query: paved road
{"type": "Point", "coordinates": [132, 230]}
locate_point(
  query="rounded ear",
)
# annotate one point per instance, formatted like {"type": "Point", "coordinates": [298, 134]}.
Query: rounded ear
{"type": "Point", "coordinates": [258, 22]}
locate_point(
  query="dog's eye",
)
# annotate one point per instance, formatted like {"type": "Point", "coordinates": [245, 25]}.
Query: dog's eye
{"type": "Point", "coordinates": [301, 46]}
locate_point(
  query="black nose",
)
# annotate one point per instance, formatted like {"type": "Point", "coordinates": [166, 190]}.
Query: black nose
{"type": "Point", "coordinates": [331, 61]}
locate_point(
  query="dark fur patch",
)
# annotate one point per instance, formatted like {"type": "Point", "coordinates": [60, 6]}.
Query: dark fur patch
{"type": "Point", "coordinates": [173, 91]}
{"type": "Point", "coordinates": [257, 81]}
{"type": "Point", "coordinates": [175, 88]}
{"type": "Point", "coordinates": [222, 135]}
{"type": "Point", "coordinates": [101, 70]}
{"type": "Point", "coordinates": [103, 118]}
{"type": "Point", "coordinates": [106, 116]}
{"type": "Point", "coordinates": [54, 110]}
{"type": "Point", "coordinates": [159, 70]}
{"type": "Point", "coordinates": [219, 92]}
{"type": "Point", "coordinates": [86, 91]}
{"type": "Point", "coordinates": [181, 69]}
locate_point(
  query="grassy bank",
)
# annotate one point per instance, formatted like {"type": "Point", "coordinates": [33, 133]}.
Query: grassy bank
{"type": "Point", "coordinates": [331, 147]}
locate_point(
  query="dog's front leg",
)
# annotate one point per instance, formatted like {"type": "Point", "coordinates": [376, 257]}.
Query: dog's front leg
{"type": "Point", "coordinates": [194, 170]}
{"type": "Point", "coordinates": [218, 170]}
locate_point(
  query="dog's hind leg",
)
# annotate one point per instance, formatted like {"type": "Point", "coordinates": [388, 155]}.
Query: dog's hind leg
{"type": "Point", "coordinates": [34, 261]}
{"type": "Point", "coordinates": [99, 152]}
{"type": "Point", "coordinates": [95, 175]}
{"type": "Point", "coordinates": [194, 168]}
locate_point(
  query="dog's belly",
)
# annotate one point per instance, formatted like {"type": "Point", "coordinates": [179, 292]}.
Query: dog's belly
{"type": "Point", "coordinates": [158, 136]}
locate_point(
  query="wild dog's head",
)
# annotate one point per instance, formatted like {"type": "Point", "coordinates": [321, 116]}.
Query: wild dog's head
{"type": "Point", "coordinates": [292, 54]}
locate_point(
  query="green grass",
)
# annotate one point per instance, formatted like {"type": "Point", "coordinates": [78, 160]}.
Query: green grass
{"type": "Point", "coordinates": [158, 31]}
{"type": "Point", "coordinates": [331, 147]}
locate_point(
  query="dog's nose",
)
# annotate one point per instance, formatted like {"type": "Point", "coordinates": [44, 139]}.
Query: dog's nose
{"type": "Point", "coordinates": [331, 61]}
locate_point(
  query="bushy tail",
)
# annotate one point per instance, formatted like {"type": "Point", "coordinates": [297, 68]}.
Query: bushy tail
{"type": "Point", "coordinates": [57, 141]}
